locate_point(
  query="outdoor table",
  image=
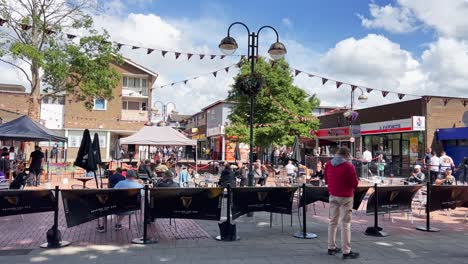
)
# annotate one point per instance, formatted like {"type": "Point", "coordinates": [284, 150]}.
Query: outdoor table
{"type": "Point", "coordinates": [4, 185]}
{"type": "Point", "coordinates": [84, 180]}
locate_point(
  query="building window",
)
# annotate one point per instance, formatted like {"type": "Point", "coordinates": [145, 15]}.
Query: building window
{"type": "Point", "coordinates": [100, 104]}
{"type": "Point", "coordinates": [134, 105]}
{"type": "Point", "coordinates": [137, 84]}
{"type": "Point", "coordinates": [53, 100]}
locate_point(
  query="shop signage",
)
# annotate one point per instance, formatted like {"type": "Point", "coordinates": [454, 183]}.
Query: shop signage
{"type": "Point", "coordinates": [391, 126]}
{"type": "Point", "coordinates": [219, 130]}
{"type": "Point", "coordinates": [419, 123]}
{"type": "Point", "coordinates": [199, 137]}
{"type": "Point", "coordinates": [334, 132]}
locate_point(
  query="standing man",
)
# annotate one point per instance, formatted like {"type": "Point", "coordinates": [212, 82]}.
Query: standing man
{"type": "Point", "coordinates": [446, 162]}
{"type": "Point", "coordinates": [434, 167]}
{"type": "Point", "coordinates": [340, 175]}
{"type": "Point", "coordinates": [276, 157]}
{"type": "Point", "coordinates": [427, 158]}
{"type": "Point", "coordinates": [36, 161]}
{"type": "Point", "coordinates": [366, 160]}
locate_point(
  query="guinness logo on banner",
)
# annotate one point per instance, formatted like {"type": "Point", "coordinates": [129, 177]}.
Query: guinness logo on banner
{"type": "Point", "coordinates": [186, 201]}
{"type": "Point", "coordinates": [393, 195]}
{"type": "Point", "coordinates": [12, 199]}
{"type": "Point", "coordinates": [102, 198]}
{"type": "Point", "coordinates": [262, 196]}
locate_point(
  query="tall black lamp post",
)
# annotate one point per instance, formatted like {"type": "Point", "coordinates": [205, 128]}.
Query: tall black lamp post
{"type": "Point", "coordinates": [164, 107]}
{"type": "Point", "coordinates": [277, 50]}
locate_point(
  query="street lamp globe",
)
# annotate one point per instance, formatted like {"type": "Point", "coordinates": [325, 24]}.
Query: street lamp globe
{"type": "Point", "coordinates": [362, 98]}
{"type": "Point", "coordinates": [228, 45]}
{"type": "Point", "coordinates": [277, 50]}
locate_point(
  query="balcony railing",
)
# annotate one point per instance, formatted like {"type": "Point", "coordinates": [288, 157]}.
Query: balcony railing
{"type": "Point", "coordinates": [134, 115]}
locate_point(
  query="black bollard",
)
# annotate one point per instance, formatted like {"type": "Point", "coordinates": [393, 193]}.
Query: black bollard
{"type": "Point", "coordinates": [376, 230]}
{"type": "Point", "coordinates": [145, 239]}
{"type": "Point", "coordinates": [304, 234]}
{"type": "Point", "coordinates": [53, 235]}
{"type": "Point", "coordinates": [428, 228]}
{"type": "Point", "coordinates": [227, 230]}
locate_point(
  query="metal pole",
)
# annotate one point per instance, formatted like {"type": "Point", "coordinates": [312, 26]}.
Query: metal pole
{"type": "Point", "coordinates": [428, 228]}
{"type": "Point", "coordinates": [303, 201]}
{"type": "Point", "coordinates": [252, 102]}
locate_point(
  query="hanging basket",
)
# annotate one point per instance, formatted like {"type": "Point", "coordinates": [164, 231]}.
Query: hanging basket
{"type": "Point", "coordinates": [249, 84]}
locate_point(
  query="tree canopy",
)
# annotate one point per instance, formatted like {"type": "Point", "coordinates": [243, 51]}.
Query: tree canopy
{"type": "Point", "coordinates": [282, 110]}
{"type": "Point", "coordinates": [34, 40]}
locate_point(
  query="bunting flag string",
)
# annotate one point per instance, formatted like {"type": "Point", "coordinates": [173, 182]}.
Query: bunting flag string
{"type": "Point", "coordinates": [353, 87]}
{"type": "Point", "coordinates": [70, 36]}
{"type": "Point", "coordinates": [214, 73]}
{"type": "Point", "coordinates": [284, 109]}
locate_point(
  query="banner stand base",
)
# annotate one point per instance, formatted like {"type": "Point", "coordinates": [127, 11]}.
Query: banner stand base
{"type": "Point", "coordinates": [305, 236]}
{"type": "Point", "coordinates": [60, 245]}
{"type": "Point", "coordinates": [141, 241]}
{"type": "Point", "coordinates": [375, 231]}
{"type": "Point", "coordinates": [425, 229]}
{"type": "Point", "coordinates": [218, 238]}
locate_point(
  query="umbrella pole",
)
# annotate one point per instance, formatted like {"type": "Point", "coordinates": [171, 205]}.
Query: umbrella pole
{"type": "Point", "coordinates": [196, 158]}
{"type": "Point", "coordinates": [95, 178]}
{"type": "Point", "coordinates": [100, 175]}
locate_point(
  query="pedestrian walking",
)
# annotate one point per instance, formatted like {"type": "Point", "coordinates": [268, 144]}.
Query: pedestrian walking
{"type": "Point", "coordinates": [36, 161]}
{"type": "Point", "coordinates": [340, 175]}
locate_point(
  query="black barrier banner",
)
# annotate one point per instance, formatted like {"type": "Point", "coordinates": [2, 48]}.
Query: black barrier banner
{"type": "Point", "coordinates": [188, 203]}
{"type": "Point", "coordinates": [448, 197]}
{"type": "Point", "coordinates": [393, 199]}
{"type": "Point", "coordinates": [268, 199]}
{"type": "Point", "coordinates": [26, 202]}
{"type": "Point", "coordinates": [82, 206]}
{"type": "Point", "coordinates": [314, 194]}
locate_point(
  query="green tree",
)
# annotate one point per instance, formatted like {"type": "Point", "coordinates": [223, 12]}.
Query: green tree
{"type": "Point", "coordinates": [282, 110]}
{"type": "Point", "coordinates": [34, 41]}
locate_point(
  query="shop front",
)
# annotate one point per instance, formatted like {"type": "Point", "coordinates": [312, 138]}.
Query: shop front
{"type": "Point", "coordinates": [402, 141]}
{"type": "Point", "coordinates": [329, 140]}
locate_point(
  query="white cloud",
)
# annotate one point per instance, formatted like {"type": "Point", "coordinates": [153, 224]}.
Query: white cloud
{"type": "Point", "coordinates": [390, 18]}
{"type": "Point", "coordinates": [287, 22]}
{"type": "Point", "coordinates": [448, 18]}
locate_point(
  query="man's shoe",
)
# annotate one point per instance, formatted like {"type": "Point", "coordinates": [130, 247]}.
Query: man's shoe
{"type": "Point", "coordinates": [351, 255]}
{"type": "Point", "coordinates": [118, 227]}
{"type": "Point", "coordinates": [332, 252]}
{"type": "Point", "coordinates": [100, 229]}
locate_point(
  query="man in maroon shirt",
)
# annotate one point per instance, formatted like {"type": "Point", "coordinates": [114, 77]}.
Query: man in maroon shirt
{"type": "Point", "coordinates": [340, 176]}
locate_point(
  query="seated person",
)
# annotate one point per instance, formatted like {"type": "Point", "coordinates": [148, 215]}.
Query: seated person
{"type": "Point", "coordinates": [19, 178]}
{"type": "Point", "coordinates": [445, 179]}
{"type": "Point", "coordinates": [145, 169]}
{"type": "Point", "coordinates": [160, 167]}
{"type": "Point", "coordinates": [130, 182]}
{"type": "Point", "coordinates": [167, 180]}
{"type": "Point", "coordinates": [227, 177]}
{"type": "Point", "coordinates": [115, 178]}
{"type": "Point", "coordinates": [184, 177]}
{"type": "Point", "coordinates": [317, 177]}
{"type": "Point", "coordinates": [417, 177]}
{"type": "Point", "coordinates": [265, 174]}
{"type": "Point", "coordinates": [291, 170]}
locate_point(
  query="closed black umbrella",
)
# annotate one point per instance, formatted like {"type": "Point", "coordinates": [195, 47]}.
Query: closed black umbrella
{"type": "Point", "coordinates": [296, 151]}
{"type": "Point", "coordinates": [97, 154]}
{"type": "Point", "coordinates": [237, 155]}
{"type": "Point", "coordinates": [85, 158]}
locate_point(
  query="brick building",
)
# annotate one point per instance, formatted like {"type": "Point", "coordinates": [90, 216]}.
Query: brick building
{"type": "Point", "coordinates": [125, 114]}
{"type": "Point", "coordinates": [404, 129]}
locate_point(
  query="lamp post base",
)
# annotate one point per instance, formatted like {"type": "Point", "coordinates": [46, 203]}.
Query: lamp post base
{"type": "Point", "coordinates": [141, 241]}
{"type": "Point", "coordinates": [425, 229]}
{"type": "Point", "coordinates": [303, 235]}
{"type": "Point", "coordinates": [375, 231]}
{"type": "Point", "coordinates": [61, 244]}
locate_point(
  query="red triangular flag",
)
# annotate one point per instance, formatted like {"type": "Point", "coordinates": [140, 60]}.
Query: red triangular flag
{"type": "Point", "coordinates": [428, 98]}
{"type": "Point", "coordinates": [202, 56]}
{"type": "Point", "coordinates": [119, 46]}
{"type": "Point", "coordinates": [25, 27]}
{"type": "Point", "coordinates": [353, 87]}
{"type": "Point", "coordinates": [70, 36]}
{"type": "Point", "coordinates": [324, 81]}
{"type": "Point", "coordinates": [214, 73]}
{"type": "Point", "coordinates": [369, 90]}
{"type": "Point", "coordinates": [242, 57]}
{"type": "Point", "coordinates": [149, 51]}
{"type": "Point", "coordinates": [311, 75]}
{"type": "Point", "coordinates": [189, 55]}
{"type": "Point", "coordinates": [185, 82]}
{"type": "Point", "coordinates": [384, 93]}
{"type": "Point", "coordinates": [296, 72]}
{"type": "Point", "coordinates": [2, 21]}
{"type": "Point", "coordinates": [163, 52]}
{"type": "Point", "coordinates": [400, 96]}
{"type": "Point", "coordinates": [446, 100]}
{"type": "Point", "coordinates": [135, 47]}
{"type": "Point", "coordinates": [172, 84]}
{"type": "Point", "coordinates": [177, 54]}
{"type": "Point", "coordinates": [213, 56]}
{"type": "Point", "coordinates": [226, 69]}
{"type": "Point", "coordinates": [222, 56]}
{"type": "Point", "coordinates": [464, 102]}
{"type": "Point", "coordinates": [338, 84]}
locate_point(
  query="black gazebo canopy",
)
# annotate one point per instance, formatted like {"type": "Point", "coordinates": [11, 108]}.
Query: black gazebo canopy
{"type": "Point", "coordinates": [25, 129]}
